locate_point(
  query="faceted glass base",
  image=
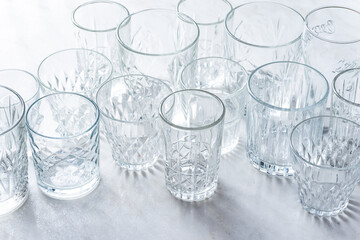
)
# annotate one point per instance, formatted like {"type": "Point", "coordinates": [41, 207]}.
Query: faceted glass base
{"type": "Point", "coordinates": [321, 213]}
{"type": "Point", "coordinates": [12, 204]}
{"type": "Point", "coordinates": [270, 168]}
{"type": "Point", "coordinates": [193, 197]}
{"type": "Point", "coordinates": [70, 193]}
{"type": "Point", "coordinates": [136, 167]}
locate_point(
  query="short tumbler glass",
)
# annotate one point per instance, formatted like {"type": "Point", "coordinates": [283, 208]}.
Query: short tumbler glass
{"type": "Point", "coordinates": [210, 16]}
{"type": "Point", "coordinates": [282, 94]}
{"type": "Point", "coordinates": [13, 157]}
{"type": "Point", "coordinates": [64, 139]}
{"type": "Point", "coordinates": [193, 122]}
{"type": "Point", "coordinates": [74, 70]}
{"type": "Point", "coordinates": [160, 43]}
{"type": "Point", "coordinates": [345, 98]}
{"type": "Point", "coordinates": [96, 23]}
{"type": "Point", "coordinates": [226, 79]}
{"type": "Point", "coordinates": [263, 32]}
{"type": "Point", "coordinates": [326, 161]}
{"type": "Point", "coordinates": [129, 112]}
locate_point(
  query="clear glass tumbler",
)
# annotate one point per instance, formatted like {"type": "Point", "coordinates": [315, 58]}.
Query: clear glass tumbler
{"type": "Point", "coordinates": [13, 157]}
{"type": "Point", "coordinates": [326, 160]}
{"type": "Point", "coordinates": [74, 70]}
{"type": "Point", "coordinates": [331, 40]}
{"type": "Point", "coordinates": [64, 139]}
{"type": "Point", "coordinates": [256, 36]}
{"type": "Point", "coordinates": [281, 95]}
{"type": "Point", "coordinates": [210, 16]}
{"type": "Point", "coordinates": [226, 79]}
{"type": "Point", "coordinates": [345, 98]}
{"type": "Point", "coordinates": [193, 122]}
{"type": "Point", "coordinates": [129, 112]}
{"type": "Point", "coordinates": [160, 43]}
{"type": "Point", "coordinates": [96, 23]}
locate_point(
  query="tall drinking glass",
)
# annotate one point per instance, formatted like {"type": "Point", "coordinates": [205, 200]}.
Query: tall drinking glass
{"type": "Point", "coordinates": [160, 43]}
{"type": "Point", "coordinates": [282, 94]}
{"type": "Point", "coordinates": [64, 139]}
{"type": "Point", "coordinates": [210, 16]}
{"type": "Point", "coordinates": [263, 32]}
{"type": "Point", "coordinates": [226, 79]}
{"type": "Point", "coordinates": [96, 23]}
{"type": "Point", "coordinates": [193, 122]}
{"type": "Point", "coordinates": [13, 157]}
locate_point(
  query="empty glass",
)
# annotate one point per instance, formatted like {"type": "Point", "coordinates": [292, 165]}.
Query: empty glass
{"type": "Point", "coordinates": [227, 80]}
{"type": "Point", "coordinates": [326, 160]}
{"type": "Point", "coordinates": [13, 157]}
{"type": "Point", "coordinates": [129, 110]}
{"type": "Point", "coordinates": [64, 139]}
{"type": "Point", "coordinates": [345, 98]}
{"type": "Point", "coordinates": [160, 43]}
{"type": "Point", "coordinates": [74, 70]}
{"type": "Point", "coordinates": [193, 122]}
{"type": "Point", "coordinates": [210, 16]}
{"type": "Point", "coordinates": [96, 23]}
{"type": "Point", "coordinates": [282, 94]}
{"type": "Point", "coordinates": [331, 40]}
{"type": "Point", "coordinates": [255, 35]}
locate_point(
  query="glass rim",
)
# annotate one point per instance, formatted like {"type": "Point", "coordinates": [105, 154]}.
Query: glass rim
{"type": "Point", "coordinates": [324, 39]}
{"type": "Point", "coordinates": [256, 45]}
{"type": "Point", "coordinates": [237, 92]}
{"type": "Point", "coordinates": [323, 99]}
{"type": "Point", "coordinates": [128, 19]}
{"type": "Point", "coordinates": [73, 18]}
{"type": "Point", "coordinates": [214, 123]}
{"type": "Point", "coordinates": [337, 93]}
{"type": "Point", "coordinates": [72, 50]}
{"type": "Point", "coordinates": [120, 78]}
{"type": "Point", "coordinates": [295, 152]}
{"type": "Point", "coordinates": [68, 137]}
{"type": "Point", "coordinates": [27, 73]}
{"type": "Point", "coordinates": [201, 23]}
{"type": "Point", "coordinates": [22, 103]}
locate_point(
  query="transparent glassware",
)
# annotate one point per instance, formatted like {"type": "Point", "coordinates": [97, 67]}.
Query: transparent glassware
{"type": "Point", "coordinates": [256, 36]}
{"type": "Point", "coordinates": [129, 113]}
{"type": "Point", "coordinates": [226, 79]}
{"type": "Point", "coordinates": [160, 43]}
{"type": "Point", "coordinates": [210, 16]}
{"type": "Point", "coordinates": [64, 139]}
{"type": "Point", "coordinates": [74, 70]}
{"type": "Point", "coordinates": [193, 122]}
{"type": "Point", "coordinates": [326, 160]}
{"type": "Point", "coordinates": [345, 98]}
{"type": "Point", "coordinates": [331, 40]}
{"type": "Point", "coordinates": [96, 23]}
{"type": "Point", "coordinates": [13, 157]}
{"type": "Point", "coordinates": [281, 95]}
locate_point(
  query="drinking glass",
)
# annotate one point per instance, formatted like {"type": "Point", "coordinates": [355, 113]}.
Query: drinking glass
{"type": "Point", "coordinates": [129, 111]}
{"type": "Point", "coordinates": [282, 94]}
{"type": "Point", "coordinates": [160, 43]}
{"type": "Point", "coordinates": [74, 70]}
{"type": "Point", "coordinates": [13, 157]}
{"type": "Point", "coordinates": [326, 160]}
{"type": "Point", "coordinates": [64, 139]}
{"type": "Point", "coordinates": [193, 122]}
{"type": "Point", "coordinates": [210, 16]}
{"type": "Point", "coordinates": [96, 23]}
{"type": "Point", "coordinates": [331, 40]}
{"type": "Point", "coordinates": [345, 100]}
{"type": "Point", "coordinates": [227, 80]}
{"type": "Point", "coordinates": [255, 35]}
{"type": "Point", "coordinates": [22, 82]}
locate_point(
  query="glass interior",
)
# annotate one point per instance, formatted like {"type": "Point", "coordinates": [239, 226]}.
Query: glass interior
{"type": "Point", "coordinates": [12, 109]}
{"type": "Point", "coordinates": [347, 85]}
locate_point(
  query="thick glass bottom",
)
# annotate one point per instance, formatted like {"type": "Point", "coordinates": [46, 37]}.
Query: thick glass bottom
{"type": "Point", "coordinates": [13, 203]}
{"type": "Point", "coordinates": [70, 193]}
{"type": "Point", "coordinates": [193, 197]}
{"type": "Point", "coordinates": [270, 168]}
{"type": "Point", "coordinates": [136, 167]}
{"type": "Point", "coordinates": [322, 213]}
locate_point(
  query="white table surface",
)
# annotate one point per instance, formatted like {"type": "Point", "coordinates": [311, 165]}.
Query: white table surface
{"type": "Point", "coordinates": [136, 205]}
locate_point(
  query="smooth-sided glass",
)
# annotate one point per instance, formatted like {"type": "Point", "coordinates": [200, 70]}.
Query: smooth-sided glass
{"type": "Point", "coordinates": [281, 95]}
{"type": "Point", "coordinates": [193, 122]}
